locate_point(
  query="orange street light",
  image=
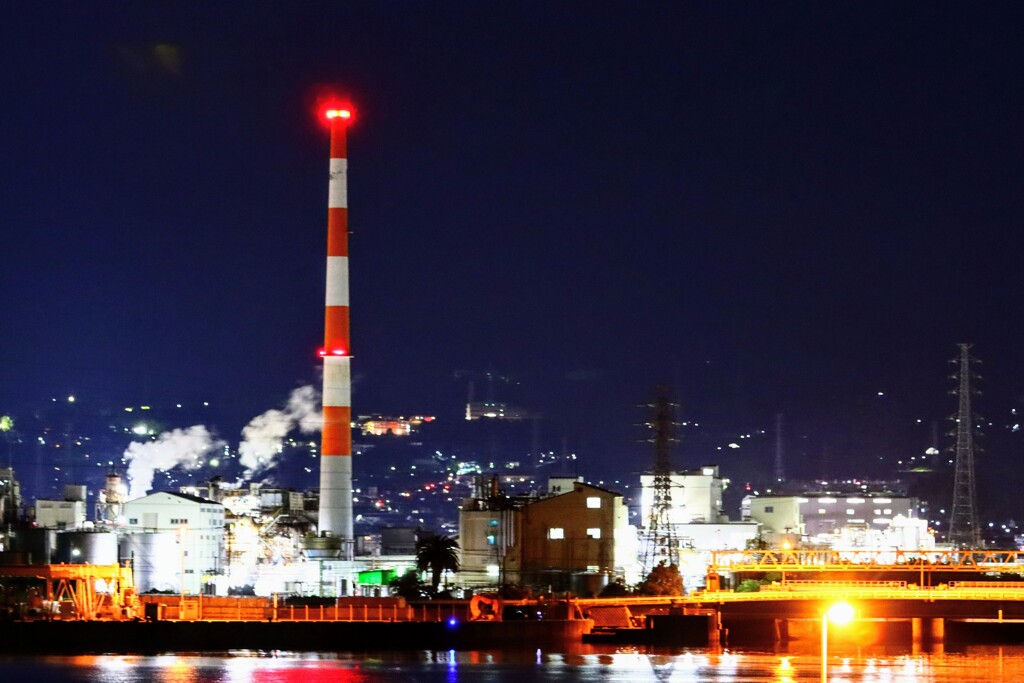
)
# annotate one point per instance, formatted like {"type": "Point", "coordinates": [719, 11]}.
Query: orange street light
{"type": "Point", "coordinates": [840, 614]}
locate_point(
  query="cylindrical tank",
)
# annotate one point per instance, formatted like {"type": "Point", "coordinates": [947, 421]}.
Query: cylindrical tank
{"type": "Point", "coordinates": [155, 559]}
{"type": "Point", "coordinates": [86, 547]}
{"type": "Point", "coordinates": [35, 543]}
{"type": "Point", "coordinates": [321, 547]}
{"type": "Point", "coordinates": [12, 558]}
{"type": "Point", "coordinates": [588, 584]}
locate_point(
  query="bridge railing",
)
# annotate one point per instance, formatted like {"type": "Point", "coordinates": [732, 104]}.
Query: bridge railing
{"type": "Point", "coordinates": [801, 585]}
{"type": "Point", "coordinates": [723, 561]}
{"type": "Point", "coordinates": [909, 593]}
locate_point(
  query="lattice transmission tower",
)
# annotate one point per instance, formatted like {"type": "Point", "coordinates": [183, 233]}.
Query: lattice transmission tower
{"type": "Point", "coordinates": [964, 531]}
{"type": "Point", "coordinates": [660, 541]}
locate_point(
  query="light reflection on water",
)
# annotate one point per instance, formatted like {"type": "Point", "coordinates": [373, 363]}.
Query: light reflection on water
{"type": "Point", "coordinates": [604, 664]}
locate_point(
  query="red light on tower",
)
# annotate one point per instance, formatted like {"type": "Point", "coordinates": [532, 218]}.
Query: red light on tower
{"type": "Point", "coordinates": [338, 113]}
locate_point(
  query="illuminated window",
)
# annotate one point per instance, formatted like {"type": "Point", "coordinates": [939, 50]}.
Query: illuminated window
{"type": "Point", "coordinates": [887, 511]}
{"type": "Point", "coordinates": [850, 511]}
{"type": "Point", "coordinates": [491, 539]}
{"type": "Point", "coordinates": [592, 568]}
{"type": "Point", "coordinates": [492, 570]}
{"type": "Point", "coordinates": [593, 502]}
{"type": "Point", "coordinates": [556, 533]}
{"type": "Point", "coordinates": [594, 532]}
{"type": "Point", "coordinates": [822, 511]}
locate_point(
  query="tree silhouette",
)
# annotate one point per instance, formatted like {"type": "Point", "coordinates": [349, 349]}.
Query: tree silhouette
{"type": "Point", "coordinates": [408, 585]}
{"type": "Point", "coordinates": [663, 580]}
{"type": "Point", "coordinates": [438, 555]}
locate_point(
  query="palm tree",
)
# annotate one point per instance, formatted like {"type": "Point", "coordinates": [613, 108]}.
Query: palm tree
{"type": "Point", "coordinates": [438, 555]}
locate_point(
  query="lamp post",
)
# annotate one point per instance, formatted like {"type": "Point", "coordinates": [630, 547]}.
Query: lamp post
{"type": "Point", "coordinates": [182, 534]}
{"type": "Point", "coordinates": [840, 613]}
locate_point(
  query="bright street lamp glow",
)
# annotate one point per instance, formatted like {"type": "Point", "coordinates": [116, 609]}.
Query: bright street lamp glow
{"type": "Point", "coordinates": [840, 613]}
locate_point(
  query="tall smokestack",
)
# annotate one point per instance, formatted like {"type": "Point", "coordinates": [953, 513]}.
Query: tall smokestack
{"type": "Point", "coordinates": [336, 442]}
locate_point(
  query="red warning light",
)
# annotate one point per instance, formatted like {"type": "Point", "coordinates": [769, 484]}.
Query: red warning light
{"type": "Point", "coordinates": [323, 353]}
{"type": "Point", "coordinates": [332, 112]}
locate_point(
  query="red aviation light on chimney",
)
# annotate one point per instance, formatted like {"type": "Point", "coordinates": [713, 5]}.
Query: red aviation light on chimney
{"type": "Point", "coordinates": [323, 353]}
{"type": "Point", "coordinates": [338, 113]}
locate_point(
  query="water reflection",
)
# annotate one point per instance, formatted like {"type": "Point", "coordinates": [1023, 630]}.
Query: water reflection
{"type": "Point", "coordinates": [798, 663]}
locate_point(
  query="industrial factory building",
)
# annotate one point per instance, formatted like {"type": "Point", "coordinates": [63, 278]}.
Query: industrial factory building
{"type": "Point", "coordinates": [840, 518]}
{"type": "Point", "coordinates": [575, 536]}
{"type": "Point", "coordinates": [69, 513]}
{"type": "Point", "coordinates": [175, 542]}
{"type": "Point", "coordinates": [696, 496]}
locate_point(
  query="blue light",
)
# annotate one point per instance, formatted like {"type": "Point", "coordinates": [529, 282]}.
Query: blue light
{"type": "Point", "coordinates": [452, 622]}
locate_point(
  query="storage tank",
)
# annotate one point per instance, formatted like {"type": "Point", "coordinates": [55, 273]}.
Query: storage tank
{"type": "Point", "coordinates": [588, 584]}
{"type": "Point", "coordinates": [86, 547]}
{"type": "Point", "coordinates": [155, 559]}
{"type": "Point", "coordinates": [35, 543]}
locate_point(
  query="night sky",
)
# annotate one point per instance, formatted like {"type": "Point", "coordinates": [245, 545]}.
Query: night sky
{"type": "Point", "coordinates": [772, 207]}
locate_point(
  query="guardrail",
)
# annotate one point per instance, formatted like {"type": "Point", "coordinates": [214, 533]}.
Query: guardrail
{"type": "Point", "coordinates": [801, 585]}
{"type": "Point", "coordinates": [724, 561]}
{"type": "Point", "coordinates": [911, 592]}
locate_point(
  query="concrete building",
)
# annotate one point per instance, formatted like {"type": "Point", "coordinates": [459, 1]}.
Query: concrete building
{"type": "Point", "coordinates": [69, 513]}
{"type": "Point", "coordinates": [175, 540]}
{"type": "Point", "coordinates": [10, 496]}
{"type": "Point", "coordinates": [780, 517]}
{"type": "Point", "coordinates": [840, 518]}
{"type": "Point", "coordinates": [60, 514]}
{"type": "Point", "coordinates": [575, 536]}
{"type": "Point", "coordinates": [696, 496]}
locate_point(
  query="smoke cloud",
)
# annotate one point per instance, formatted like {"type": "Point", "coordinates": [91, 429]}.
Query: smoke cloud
{"type": "Point", "coordinates": [263, 437]}
{"type": "Point", "coordinates": [182, 448]}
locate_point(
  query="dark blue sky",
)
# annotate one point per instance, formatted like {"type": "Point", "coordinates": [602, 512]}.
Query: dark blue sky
{"type": "Point", "coordinates": [774, 207]}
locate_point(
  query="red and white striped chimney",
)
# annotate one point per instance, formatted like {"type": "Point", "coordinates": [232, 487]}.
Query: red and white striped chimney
{"type": "Point", "coordinates": [336, 440]}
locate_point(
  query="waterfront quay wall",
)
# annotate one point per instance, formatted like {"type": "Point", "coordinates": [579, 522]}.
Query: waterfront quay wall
{"type": "Point", "coordinates": [911, 621]}
{"type": "Point", "coordinates": [194, 608]}
{"type": "Point", "coordinates": [157, 637]}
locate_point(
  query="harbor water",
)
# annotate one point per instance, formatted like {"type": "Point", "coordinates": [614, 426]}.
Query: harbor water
{"type": "Point", "coordinates": [608, 664]}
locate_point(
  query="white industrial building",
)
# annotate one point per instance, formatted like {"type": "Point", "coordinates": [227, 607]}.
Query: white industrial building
{"type": "Point", "coordinates": [69, 513]}
{"type": "Point", "coordinates": [696, 496]}
{"type": "Point", "coordinates": [862, 519]}
{"type": "Point", "coordinates": [60, 514]}
{"type": "Point", "coordinates": [175, 542]}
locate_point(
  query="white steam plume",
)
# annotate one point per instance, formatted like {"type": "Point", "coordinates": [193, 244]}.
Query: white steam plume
{"type": "Point", "coordinates": [178, 448]}
{"type": "Point", "coordinates": [263, 436]}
